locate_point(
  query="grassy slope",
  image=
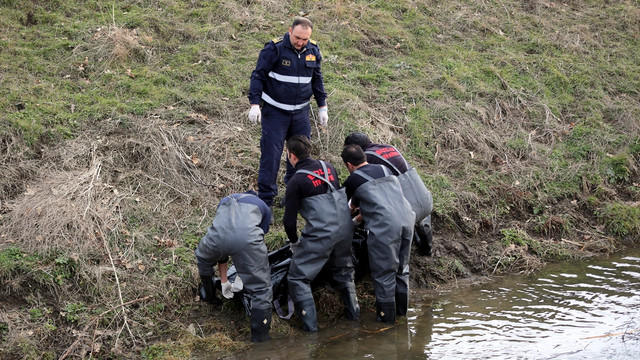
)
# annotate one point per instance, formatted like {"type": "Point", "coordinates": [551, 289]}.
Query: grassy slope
{"type": "Point", "coordinates": [123, 124]}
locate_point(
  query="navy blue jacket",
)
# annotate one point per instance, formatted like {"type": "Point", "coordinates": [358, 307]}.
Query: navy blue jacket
{"type": "Point", "coordinates": [286, 78]}
{"type": "Point", "coordinates": [354, 181]}
{"type": "Point", "coordinates": [388, 152]}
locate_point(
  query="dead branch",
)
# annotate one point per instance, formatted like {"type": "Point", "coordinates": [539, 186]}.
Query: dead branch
{"type": "Point", "coordinates": [95, 319]}
{"type": "Point", "coordinates": [609, 335]}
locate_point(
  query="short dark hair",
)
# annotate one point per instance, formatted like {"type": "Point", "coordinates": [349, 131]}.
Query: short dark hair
{"type": "Point", "coordinates": [353, 154]}
{"type": "Point", "coordinates": [300, 146]}
{"type": "Point", "coordinates": [302, 21]}
{"type": "Point", "coordinates": [357, 138]}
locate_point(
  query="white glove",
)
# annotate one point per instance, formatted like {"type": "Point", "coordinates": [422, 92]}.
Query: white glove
{"type": "Point", "coordinates": [237, 285]}
{"type": "Point", "coordinates": [294, 246]}
{"type": "Point", "coordinates": [227, 292]}
{"type": "Point", "coordinates": [255, 114]}
{"type": "Point", "coordinates": [323, 117]}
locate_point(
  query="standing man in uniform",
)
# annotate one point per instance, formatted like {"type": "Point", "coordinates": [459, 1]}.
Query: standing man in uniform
{"type": "Point", "coordinates": [314, 192]}
{"type": "Point", "coordinates": [413, 188]}
{"type": "Point", "coordinates": [286, 76]}
{"type": "Point", "coordinates": [389, 220]}
{"type": "Point", "coordinates": [238, 230]}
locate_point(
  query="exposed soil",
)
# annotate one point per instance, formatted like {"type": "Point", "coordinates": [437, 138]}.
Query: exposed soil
{"type": "Point", "coordinates": [121, 208]}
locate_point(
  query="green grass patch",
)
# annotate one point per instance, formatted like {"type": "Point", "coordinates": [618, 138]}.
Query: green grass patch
{"type": "Point", "coordinates": [276, 239]}
{"type": "Point", "coordinates": [451, 267]}
{"type": "Point", "coordinates": [74, 312]}
{"type": "Point", "coordinates": [620, 219]}
{"type": "Point", "coordinates": [617, 168]}
{"type": "Point", "coordinates": [511, 236]}
{"type": "Point", "coordinates": [510, 113]}
{"type": "Point", "coordinates": [444, 196]}
{"type": "Point", "coordinates": [14, 260]}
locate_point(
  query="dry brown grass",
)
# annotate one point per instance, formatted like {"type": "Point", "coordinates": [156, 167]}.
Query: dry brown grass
{"type": "Point", "coordinates": [94, 182]}
{"type": "Point", "coordinates": [98, 195]}
{"type": "Point", "coordinates": [121, 198]}
{"type": "Point", "coordinates": [517, 260]}
{"type": "Point", "coordinates": [64, 210]}
{"type": "Point", "coordinates": [15, 167]}
{"type": "Point", "coordinates": [89, 200]}
{"type": "Point", "coordinates": [112, 44]}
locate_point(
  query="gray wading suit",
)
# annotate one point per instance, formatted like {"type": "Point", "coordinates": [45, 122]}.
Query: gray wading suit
{"type": "Point", "coordinates": [389, 220]}
{"type": "Point", "coordinates": [325, 239]}
{"type": "Point", "coordinates": [236, 232]}
{"type": "Point", "coordinates": [420, 199]}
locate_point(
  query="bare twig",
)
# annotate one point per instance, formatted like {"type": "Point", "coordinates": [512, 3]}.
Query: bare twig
{"type": "Point", "coordinates": [94, 321]}
{"type": "Point", "coordinates": [95, 175]}
{"type": "Point", "coordinates": [499, 260]}
{"type": "Point", "coordinates": [379, 330]}
{"type": "Point", "coordinates": [573, 242]}
{"type": "Point", "coordinates": [609, 335]}
{"type": "Point", "coordinates": [115, 274]}
{"type": "Point", "coordinates": [338, 336]}
{"type": "Point", "coordinates": [167, 185]}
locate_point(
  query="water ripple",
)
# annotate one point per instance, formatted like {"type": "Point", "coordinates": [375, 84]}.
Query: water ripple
{"type": "Point", "coordinates": [567, 313]}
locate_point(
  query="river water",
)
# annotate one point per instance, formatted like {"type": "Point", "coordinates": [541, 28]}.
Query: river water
{"type": "Point", "coordinates": [586, 310]}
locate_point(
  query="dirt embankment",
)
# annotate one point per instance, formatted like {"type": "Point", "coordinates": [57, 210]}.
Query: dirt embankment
{"type": "Point", "coordinates": [522, 118]}
{"type": "Point", "coordinates": [116, 213]}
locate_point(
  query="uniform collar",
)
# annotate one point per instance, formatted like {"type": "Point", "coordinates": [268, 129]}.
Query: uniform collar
{"type": "Point", "coordinates": [303, 162]}
{"type": "Point", "coordinates": [287, 42]}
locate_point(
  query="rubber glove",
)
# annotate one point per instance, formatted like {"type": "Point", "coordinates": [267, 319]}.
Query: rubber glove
{"type": "Point", "coordinates": [294, 246]}
{"type": "Point", "coordinates": [323, 116]}
{"type": "Point", "coordinates": [237, 285]}
{"type": "Point", "coordinates": [227, 292]}
{"type": "Point", "coordinates": [255, 114]}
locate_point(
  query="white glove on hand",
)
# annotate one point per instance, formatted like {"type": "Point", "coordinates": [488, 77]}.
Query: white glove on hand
{"type": "Point", "coordinates": [227, 292]}
{"type": "Point", "coordinates": [294, 246]}
{"type": "Point", "coordinates": [255, 114]}
{"type": "Point", "coordinates": [237, 285]}
{"type": "Point", "coordinates": [323, 116]}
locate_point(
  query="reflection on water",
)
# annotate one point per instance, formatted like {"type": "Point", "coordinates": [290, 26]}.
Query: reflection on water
{"type": "Point", "coordinates": [571, 311]}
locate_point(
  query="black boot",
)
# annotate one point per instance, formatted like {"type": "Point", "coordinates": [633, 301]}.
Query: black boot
{"type": "Point", "coordinates": [306, 311]}
{"type": "Point", "coordinates": [386, 312]}
{"type": "Point", "coordinates": [208, 291]}
{"type": "Point", "coordinates": [350, 300]}
{"type": "Point", "coordinates": [423, 237]}
{"type": "Point", "coordinates": [402, 303]}
{"type": "Point", "coordinates": [260, 324]}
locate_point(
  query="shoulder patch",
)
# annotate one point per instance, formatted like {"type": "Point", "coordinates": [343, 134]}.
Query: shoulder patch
{"type": "Point", "coordinates": [313, 42]}
{"type": "Point", "coordinates": [277, 40]}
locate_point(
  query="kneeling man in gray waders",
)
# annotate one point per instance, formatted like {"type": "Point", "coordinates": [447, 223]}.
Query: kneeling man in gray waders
{"type": "Point", "coordinates": [313, 191]}
{"type": "Point", "coordinates": [238, 230]}
{"type": "Point", "coordinates": [413, 188]}
{"type": "Point", "coordinates": [389, 220]}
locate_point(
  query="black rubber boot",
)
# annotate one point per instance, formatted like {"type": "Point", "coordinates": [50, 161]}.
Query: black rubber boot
{"type": "Point", "coordinates": [386, 312]}
{"type": "Point", "coordinates": [260, 324]}
{"type": "Point", "coordinates": [306, 311]}
{"type": "Point", "coordinates": [402, 303]}
{"type": "Point", "coordinates": [423, 237]}
{"type": "Point", "coordinates": [350, 300]}
{"type": "Point", "coordinates": [208, 291]}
